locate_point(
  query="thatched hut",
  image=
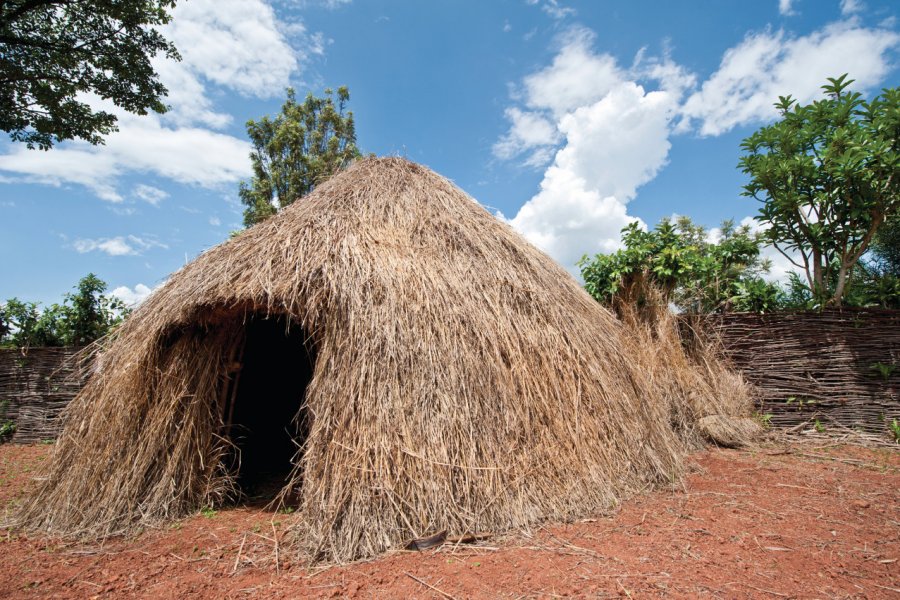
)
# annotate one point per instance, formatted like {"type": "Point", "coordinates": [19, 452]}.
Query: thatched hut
{"type": "Point", "coordinates": [399, 360]}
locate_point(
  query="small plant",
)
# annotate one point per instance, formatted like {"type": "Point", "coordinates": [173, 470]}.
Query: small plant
{"type": "Point", "coordinates": [895, 429]}
{"type": "Point", "coordinates": [7, 427]}
{"type": "Point", "coordinates": [819, 427]}
{"type": "Point", "coordinates": [764, 419]}
{"type": "Point", "coordinates": [208, 512]}
{"type": "Point", "coordinates": [883, 370]}
{"type": "Point", "coordinates": [800, 402]}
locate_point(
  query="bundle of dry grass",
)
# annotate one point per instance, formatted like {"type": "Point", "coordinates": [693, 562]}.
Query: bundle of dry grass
{"type": "Point", "coordinates": [461, 381]}
{"type": "Point", "coordinates": [710, 401]}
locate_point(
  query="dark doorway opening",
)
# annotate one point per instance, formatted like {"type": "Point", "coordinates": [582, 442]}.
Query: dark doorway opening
{"type": "Point", "coordinates": [264, 420]}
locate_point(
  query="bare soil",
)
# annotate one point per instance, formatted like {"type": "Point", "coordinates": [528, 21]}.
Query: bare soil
{"type": "Point", "coordinates": [780, 522]}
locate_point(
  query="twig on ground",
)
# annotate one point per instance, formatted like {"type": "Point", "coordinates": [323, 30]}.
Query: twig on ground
{"type": "Point", "coordinates": [847, 461]}
{"type": "Point", "coordinates": [277, 562]}
{"type": "Point", "coordinates": [429, 586]}
{"type": "Point", "coordinates": [237, 559]}
{"type": "Point", "coordinates": [753, 587]}
{"type": "Point", "coordinates": [318, 571]}
{"type": "Point", "coordinates": [624, 589]}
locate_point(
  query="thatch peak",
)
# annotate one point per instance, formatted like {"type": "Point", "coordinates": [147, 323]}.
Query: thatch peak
{"type": "Point", "coordinates": [456, 378]}
{"type": "Point", "coordinates": [375, 187]}
{"type": "Point", "coordinates": [382, 223]}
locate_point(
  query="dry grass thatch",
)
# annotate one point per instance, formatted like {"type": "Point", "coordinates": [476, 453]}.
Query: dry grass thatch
{"type": "Point", "coordinates": [709, 400]}
{"type": "Point", "coordinates": [730, 432]}
{"type": "Point", "coordinates": [463, 380]}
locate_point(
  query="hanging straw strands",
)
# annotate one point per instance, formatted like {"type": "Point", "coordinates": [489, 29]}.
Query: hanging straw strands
{"type": "Point", "coordinates": [463, 380]}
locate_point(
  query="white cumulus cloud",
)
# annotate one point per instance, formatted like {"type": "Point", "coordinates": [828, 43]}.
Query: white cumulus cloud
{"type": "Point", "coordinates": [613, 132]}
{"type": "Point", "coordinates": [132, 297]}
{"type": "Point", "coordinates": [766, 65]}
{"type": "Point", "coordinates": [577, 77]}
{"type": "Point", "coordinates": [116, 246]}
{"type": "Point", "coordinates": [528, 131]}
{"type": "Point", "coordinates": [236, 45]}
{"type": "Point", "coordinates": [556, 10]}
{"type": "Point", "coordinates": [79, 163]}
{"type": "Point", "coordinates": [188, 155]}
{"type": "Point", "coordinates": [151, 195]}
{"type": "Point", "coordinates": [786, 7]}
{"type": "Point", "coordinates": [612, 147]}
{"type": "Point", "coordinates": [600, 130]}
{"type": "Point", "coordinates": [849, 7]}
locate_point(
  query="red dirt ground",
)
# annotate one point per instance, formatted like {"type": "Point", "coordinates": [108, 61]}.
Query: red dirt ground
{"type": "Point", "coordinates": [798, 522]}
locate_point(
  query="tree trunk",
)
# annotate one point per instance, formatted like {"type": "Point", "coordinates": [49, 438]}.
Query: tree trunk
{"type": "Point", "coordinates": [818, 289]}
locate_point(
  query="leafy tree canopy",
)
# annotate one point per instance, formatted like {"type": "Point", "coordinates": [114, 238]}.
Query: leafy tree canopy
{"type": "Point", "coordinates": [828, 175]}
{"type": "Point", "coordinates": [299, 148]}
{"type": "Point", "coordinates": [681, 263]}
{"type": "Point", "coordinates": [51, 51]}
{"type": "Point", "coordinates": [84, 316]}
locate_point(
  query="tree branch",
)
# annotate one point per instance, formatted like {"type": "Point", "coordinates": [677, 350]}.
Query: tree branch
{"type": "Point", "coordinates": [28, 7]}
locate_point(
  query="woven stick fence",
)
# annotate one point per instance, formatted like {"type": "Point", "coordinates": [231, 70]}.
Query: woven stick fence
{"type": "Point", "coordinates": [841, 366]}
{"type": "Point", "coordinates": [838, 365]}
{"type": "Point", "coordinates": [35, 385]}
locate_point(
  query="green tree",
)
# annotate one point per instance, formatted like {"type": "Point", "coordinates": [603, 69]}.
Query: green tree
{"type": "Point", "coordinates": [88, 313]}
{"type": "Point", "coordinates": [84, 316]}
{"type": "Point", "coordinates": [678, 263]}
{"type": "Point", "coordinates": [53, 51]}
{"type": "Point", "coordinates": [298, 149]}
{"type": "Point", "coordinates": [24, 325]}
{"type": "Point", "coordinates": [828, 175]}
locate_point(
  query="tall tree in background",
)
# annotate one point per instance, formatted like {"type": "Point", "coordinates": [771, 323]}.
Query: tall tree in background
{"type": "Point", "coordinates": [299, 148]}
{"type": "Point", "coordinates": [51, 51]}
{"type": "Point", "coordinates": [88, 313]}
{"type": "Point", "coordinates": [828, 175]}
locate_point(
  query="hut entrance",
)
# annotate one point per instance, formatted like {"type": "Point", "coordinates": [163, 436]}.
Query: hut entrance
{"type": "Point", "coordinates": [262, 416]}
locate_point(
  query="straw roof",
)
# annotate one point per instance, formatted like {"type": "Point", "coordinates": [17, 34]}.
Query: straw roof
{"type": "Point", "coordinates": [463, 380]}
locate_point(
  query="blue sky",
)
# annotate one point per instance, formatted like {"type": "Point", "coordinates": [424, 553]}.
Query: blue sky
{"type": "Point", "coordinates": [569, 119]}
